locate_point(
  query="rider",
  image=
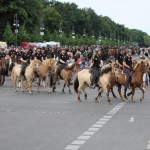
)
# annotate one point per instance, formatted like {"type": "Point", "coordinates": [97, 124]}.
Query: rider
{"type": "Point", "coordinates": [95, 65]}
{"type": "Point", "coordinates": [25, 60]}
{"type": "Point", "coordinates": [127, 66]}
{"type": "Point", "coordinates": [62, 61]}
{"type": "Point", "coordinates": [120, 57]}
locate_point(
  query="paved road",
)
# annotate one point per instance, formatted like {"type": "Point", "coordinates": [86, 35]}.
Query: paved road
{"type": "Point", "coordinates": [57, 121]}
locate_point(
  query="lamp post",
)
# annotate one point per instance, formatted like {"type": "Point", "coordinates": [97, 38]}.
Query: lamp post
{"type": "Point", "coordinates": [99, 38]}
{"type": "Point", "coordinates": [16, 25]}
{"type": "Point", "coordinates": [73, 34]}
{"type": "Point", "coordinates": [84, 35]}
{"type": "Point", "coordinates": [42, 30]}
{"type": "Point", "coordinates": [60, 33]}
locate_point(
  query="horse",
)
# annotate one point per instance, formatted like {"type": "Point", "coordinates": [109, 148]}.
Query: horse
{"type": "Point", "coordinates": [46, 71]}
{"type": "Point", "coordinates": [82, 80]}
{"type": "Point", "coordinates": [121, 80]}
{"type": "Point", "coordinates": [11, 63]}
{"type": "Point", "coordinates": [66, 75]}
{"type": "Point", "coordinates": [2, 70]}
{"type": "Point", "coordinates": [137, 78]}
{"type": "Point", "coordinates": [15, 75]}
{"type": "Point", "coordinates": [29, 73]}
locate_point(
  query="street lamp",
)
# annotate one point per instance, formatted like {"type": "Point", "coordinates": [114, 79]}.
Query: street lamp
{"type": "Point", "coordinates": [16, 25]}
{"type": "Point", "coordinates": [42, 29]}
{"type": "Point", "coordinates": [60, 33]}
{"type": "Point", "coordinates": [84, 33]}
{"type": "Point", "coordinates": [73, 33]}
{"type": "Point", "coordinates": [99, 38]}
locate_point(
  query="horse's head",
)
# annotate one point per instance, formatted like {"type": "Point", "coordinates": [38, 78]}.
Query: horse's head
{"type": "Point", "coordinates": [36, 64]}
{"type": "Point", "coordinates": [76, 67]}
{"type": "Point", "coordinates": [140, 66]}
{"type": "Point", "coordinates": [116, 70]}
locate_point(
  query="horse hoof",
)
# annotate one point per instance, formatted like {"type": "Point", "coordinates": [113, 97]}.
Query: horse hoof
{"type": "Point", "coordinates": [79, 100]}
{"type": "Point", "coordinates": [96, 101]}
{"type": "Point", "coordinates": [30, 92]}
{"type": "Point", "coordinates": [141, 99]}
{"type": "Point", "coordinates": [133, 101]}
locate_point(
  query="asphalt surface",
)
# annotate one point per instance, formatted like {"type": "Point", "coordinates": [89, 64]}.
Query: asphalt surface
{"type": "Point", "coordinates": [56, 121]}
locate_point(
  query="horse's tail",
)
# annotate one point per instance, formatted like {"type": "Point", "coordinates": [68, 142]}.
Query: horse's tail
{"type": "Point", "coordinates": [76, 84]}
{"type": "Point", "coordinates": [12, 75]}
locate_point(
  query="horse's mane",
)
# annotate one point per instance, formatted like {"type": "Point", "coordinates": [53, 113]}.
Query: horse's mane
{"type": "Point", "coordinates": [71, 66]}
{"type": "Point", "coordinates": [105, 69]}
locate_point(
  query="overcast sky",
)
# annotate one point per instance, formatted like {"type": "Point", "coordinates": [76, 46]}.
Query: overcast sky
{"type": "Point", "coordinates": [134, 14]}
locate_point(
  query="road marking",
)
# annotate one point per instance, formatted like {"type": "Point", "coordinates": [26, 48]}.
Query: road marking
{"type": "Point", "coordinates": [72, 147]}
{"type": "Point", "coordinates": [148, 146]}
{"type": "Point", "coordinates": [83, 138]}
{"type": "Point", "coordinates": [131, 119]}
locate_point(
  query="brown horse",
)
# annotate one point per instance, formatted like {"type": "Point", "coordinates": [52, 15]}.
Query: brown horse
{"type": "Point", "coordinates": [46, 71]}
{"type": "Point", "coordinates": [2, 70]}
{"type": "Point", "coordinates": [83, 80]}
{"type": "Point", "coordinates": [66, 75]}
{"type": "Point", "coordinates": [137, 78]}
{"type": "Point", "coordinates": [121, 80]}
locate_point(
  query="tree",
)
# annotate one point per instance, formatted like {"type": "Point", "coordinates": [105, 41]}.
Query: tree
{"type": "Point", "coordinates": [8, 34]}
{"type": "Point", "coordinates": [23, 35]}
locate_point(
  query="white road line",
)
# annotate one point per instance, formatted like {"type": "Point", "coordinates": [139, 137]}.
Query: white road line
{"type": "Point", "coordinates": [148, 146]}
{"type": "Point", "coordinates": [72, 147]}
{"type": "Point", "coordinates": [89, 133]}
{"type": "Point", "coordinates": [131, 119]}
{"type": "Point", "coordinates": [78, 142]}
{"type": "Point", "coordinates": [82, 139]}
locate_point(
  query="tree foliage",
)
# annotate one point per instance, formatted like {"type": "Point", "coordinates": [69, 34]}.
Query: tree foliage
{"type": "Point", "coordinates": [33, 13]}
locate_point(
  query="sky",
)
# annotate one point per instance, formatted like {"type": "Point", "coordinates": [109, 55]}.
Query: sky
{"type": "Point", "coordinates": [133, 14]}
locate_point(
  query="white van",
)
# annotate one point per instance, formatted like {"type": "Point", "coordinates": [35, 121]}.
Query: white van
{"type": "Point", "coordinates": [3, 44]}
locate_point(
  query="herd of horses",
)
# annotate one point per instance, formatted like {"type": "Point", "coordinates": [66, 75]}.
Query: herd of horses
{"type": "Point", "coordinates": [110, 75]}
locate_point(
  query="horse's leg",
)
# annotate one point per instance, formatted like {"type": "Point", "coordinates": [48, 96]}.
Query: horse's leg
{"type": "Point", "coordinates": [125, 92]}
{"type": "Point", "coordinates": [22, 84]}
{"type": "Point", "coordinates": [119, 91]}
{"type": "Point", "coordinates": [112, 91]}
{"type": "Point", "coordinates": [99, 93]}
{"type": "Point", "coordinates": [47, 84]}
{"type": "Point", "coordinates": [85, 94]}
{"type": "Point", "coordinates": [68, 84]}
{"type": "Point", "coordinates": [29, 82]}
{"type": "Point", "coordinates": [3, 79]}
{"type": "Point", "coordinates": [133, 91]}
{"type": "Point", "coordinates": [39, 83]}
{"type": "Point", "coordinates": [143, 92]}
{"type": "Point", "coordinates": [65, 82]}
{"type": "Point", "coordinates": [79, 91]}
{"type": "Point", "coordinates": [14, 82]}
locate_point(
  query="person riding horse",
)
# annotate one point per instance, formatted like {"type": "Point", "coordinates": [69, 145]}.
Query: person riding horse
{"type": "Point", "coordinates": [120, 57]}
{"type": "Point", "coordinates": [95, 65]}
{"type": "Point", "coordinates": [25, 60]}
{"type": "Point", "coordinates": [62, 63]}
{"type": "Point", "coordinates": [127, 67]}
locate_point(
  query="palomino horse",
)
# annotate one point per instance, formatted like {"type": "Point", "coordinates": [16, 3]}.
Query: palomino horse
{"type": "Point", "coordinates": [2, 70]}
{"type": "Point", "coordinates": [46, 71]}
{"type": "Point", "coordinates": [83, 80]}
{"type": "Point", "coordinates": [29, 75]}
{"type": "Point", "coordinates": [137, 78]}
{"type": "Point", "coordinates": [66, 74]}
{"type": "Point", "coordinates": [12, 63]}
